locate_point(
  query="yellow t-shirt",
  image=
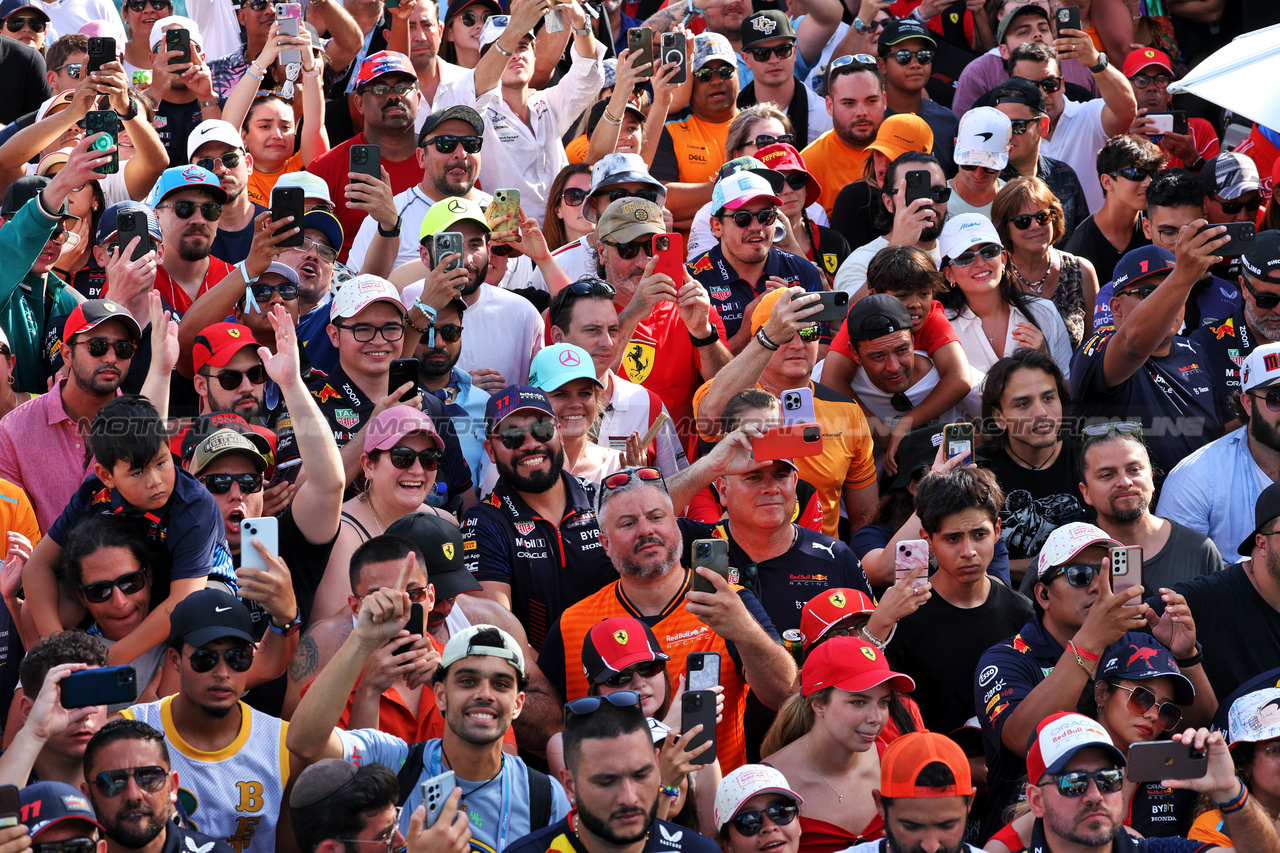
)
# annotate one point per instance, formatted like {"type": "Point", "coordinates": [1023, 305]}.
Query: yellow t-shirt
{"type": "Point", "coordinates": [834, 164]}
{"type": "Point", "coordinates": [261, 183]}
{"type": "Point", "coordinates": [699, 147]}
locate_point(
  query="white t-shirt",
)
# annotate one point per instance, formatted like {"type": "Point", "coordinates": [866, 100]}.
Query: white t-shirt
{"type": "Point", "coordinates": [878, 401]}
{"type": "Point", "coordinates": [68, 16]}
{"type": "Point", "coordinates": [504, 333]}
{"type": "Point", "coordinates": [412, 205]}
{"type": "Point", "coordinates": [218, 26]}
{"type": "Point", "coordinates": [977, 348]}
{"type": "Point", "coordinates": [958, 205]}
{"type": "Point", "coordinates": [1076, 141]}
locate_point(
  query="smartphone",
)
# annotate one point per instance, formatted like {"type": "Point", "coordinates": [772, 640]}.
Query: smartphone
{"type": "Point", "coordinates": [699, 707]}
{"type": "Point", "coordinates": [392, 4]}
{"type": "Point", "coordinates": [447, 243]}
{"type": "Point", "coordinates": [404, 370]}
{"type": "Point", "coordinates": [553, 21]}
{"type": "Point", "coordinates": [710, 554]}
{"type": "Point", "coordinates": [1126, 567]}
{"type": "Point", "coordinates": [435, 791]}
{"type": "Point", "coordinates": [1172, 122]}
{"type": "Point", "coordinates": [676, 49]}
{"type": "Point", "coordinates": [289, 16]}
{"type": "Point", "coordinates": [366, 160]}
{"type": "Point", "coordinates": [1165, 759]}
{"type": "Point", "coordinates": [505, 202]}
{"type": "Point", "coordinates": [130, 224]}
{"type": "Point", "coordinates": [958, 439]}
{"type": "Point", "coordinates": [107, 685]}
{"type": "Point", "coordinates": [702, 670]}
{"type": "Point", "coordinates": [101, 51]}
{"type": "Point", "coordinates": [787, 442]}
{"type": "Point", "coordinates": [10, 805]}
{"type": "Point", "coordinates": [178, 40]}
{"type": "Point", "coordinates": [640, 41]}
{"type": "Point", "coordinates": [1243, 237]}
{"type": "Point", "coordinates": [265, 530]}
{"type": "Point", "coordinates": [911, 555]}
{"type": "Point", "coordinates": [919, 185]}
{"type": "Point", "coordinates": [99, 122]}
{"type": "Point", "coordinates": [285, 202]}
{"type": "Point", "coordinates": [797, 407]}
{"type": "Point", "coordinates": [835, 304]}
{"type": "Point", "coordinates": [1068, 18]}
{"type": "Point", "coordinates": [414, 626]}
{"type": "Point", "coordinates": [669, 250]}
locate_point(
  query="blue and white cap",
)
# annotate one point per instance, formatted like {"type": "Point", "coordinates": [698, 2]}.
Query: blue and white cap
{"type": "Point", "coordinates": [184, 178]}
{"type": "Point", "coordinates": [732, 192]}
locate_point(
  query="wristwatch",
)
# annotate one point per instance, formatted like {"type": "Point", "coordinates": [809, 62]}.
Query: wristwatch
{"type": "Point", "coordinates": [708, 340]}
{"type": "Point", "coordinates": [288, 629]}
{"type": "Point", "coordinates": [212, 102]}
{"type": "Point", "coordinates": [860, 26]}
{"type": "Point", "coordinates": [585, 31]}
{"type": "Point", "coordinates": [394, 232]}
{"type": "Point", "coordinates": [133, 111]}
{"type": "Point", "coordinates": [1103, 62]}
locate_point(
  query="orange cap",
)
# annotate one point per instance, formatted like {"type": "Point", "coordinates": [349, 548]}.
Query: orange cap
{"type": "Point", "coordinates": [903, 760]}
{"type": "Point", "coordinates": [764, 308]}
{"type": "Point", "coordinates": [901, 133]}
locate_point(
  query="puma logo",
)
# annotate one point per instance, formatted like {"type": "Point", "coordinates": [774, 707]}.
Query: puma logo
{"type": "Point", "coordinates": [830, 549]}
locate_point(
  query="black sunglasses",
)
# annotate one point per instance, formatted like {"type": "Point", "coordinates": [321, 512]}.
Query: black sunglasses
{"type": "Point", "coordinates": [1019, 126]}
{"type": "Point", "coordinates": [230, 380]}
{"type": "Point", "coordinates": [98, 348]}
{"type": "Point", "coordinates": [210, 210]}
{"type": "Point", "coordinates": [742, 218]}
{"type": "Point", "coordinates": [988, 252]}
{"type": "Point", "coordinates": [364, 332]}
{"type": "Point", "coordinates": [451, 333]}
{"type": "Point", "coordinates": [447, 144]}
{"type": "Point", "coordinates": [573, 196]}
{"type": "Point", "coordinates": [1135, 173]}
{"type": "Point", "coordinates": [797, 180]}
{"type": "Point", "coordinates": [782, 51]}
{"type": "Point", "coordinates": [591, 287]}
{"type": "Point", "coordinates": [402, 457]}
{"type": "Point", "coordinates": [67, 845]}
{"type": "Point", "coordinates": [904, 57]}
{"type": "Point", "coordinates": [766, 139]}
{"type": "Point", "coordinates": [1142, 81]}
{"type": "Point", "coordinates": [229, 161]}
{"type": "Point", "coordinates": [630, 249]}
{"type": "Point", "coordinates": [966, 167]}
{"type": "Point", "coordinates": [1077, 574]}
{"type": "Point", "coordinates": [647, 669]}
{"type": "Point", "coordinates": [703, 75]}
{"type": "Point", "coordinates": [1023, 220]}
{"type": "Point", "coordinates": [140, 5]}
{"type": "Point", "coordinates": [471, 18]}
{"type": "Point", "coordinates": [97, 593]}
{"type": "Point", "coordinates": [1231, 208]}
{"type": "Point", "coordinates": [750, 823]}
{"type": "Point", "coordinates": [1076, 784]}
{"type": "Point", "coordinates": [591, 704]}
{"type": "Point", "coordinates": [262, 292]}
{"type": "Point", "coordinates": [647, 195]}
{"type": "Point", "coordinates": [204, 660]}
{"type": "Point", "coordinates": [940, 194]}
{"type": "Point", "coordinates": [258, 5]}
{"type": "Point", "coordinates": [111, 783]}
{"type": "Point", "coordinates": [15, 24]}
{"type": "Point", "coordinates": [1271, 398]}
{"type": "Point", "coordinates": [1049, 85]}
{"type": "Point", "coordinates": [220, 484]}
{"type": "Point", "coordinates": [901, 402]}
{"type": "Point", "coordinates": [542, 430]}
{"type": "Point", "coordinates": [1265, 301]}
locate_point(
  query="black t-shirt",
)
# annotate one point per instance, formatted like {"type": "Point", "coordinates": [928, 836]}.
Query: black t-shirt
{"type": "Point", "coordinates": [22, 70]}
{"type": "Point", "coordinates": [854, 213]}
{"type": "Point", "coordinates": [1160, 812]}
{"type": "Point", "coordinates": [1187, 555]}
{"type": "Point", "coordinates": [233, 246]}
{"type": "Point", "coordinates": [944, 681]}
{"type": "Point", "coordinates": [1035, 502]}
{"type": "Point", "coordinates": [1087, 242]}
{"type": "Point", "coordinates": [174, 123]}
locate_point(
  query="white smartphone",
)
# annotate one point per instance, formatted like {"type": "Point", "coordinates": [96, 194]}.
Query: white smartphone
{"type": "Point", "coordinates": [797, 407]}
{"type": "Point", "coordinates": [911, 555]}
{"type": "Point", "coordinates": [434, 793]}
{"type": "Point", "coordinates": [265, 530]}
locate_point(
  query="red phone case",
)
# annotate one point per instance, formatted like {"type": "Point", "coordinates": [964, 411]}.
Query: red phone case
{"type": "Point", "coordinates": [787, 442]}
{"type": "Point", "coordinates": [671, 259]}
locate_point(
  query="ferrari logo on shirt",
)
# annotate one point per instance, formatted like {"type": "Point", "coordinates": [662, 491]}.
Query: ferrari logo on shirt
{"type": "Point", "coordinates": [829, 261]}
{"type": "Point", "coordinates": [639, 361]}
{"type": "Point", "coordinates": [621, 637]}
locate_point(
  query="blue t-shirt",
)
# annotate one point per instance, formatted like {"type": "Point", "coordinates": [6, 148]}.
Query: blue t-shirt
{"type": "Point", "coordinates": [730, 293]}
{"type": "Point", "coordinates": [1227, 343]}
{"type": "Point", "coordinates": [663, 837]}
{"type": "Point", "coordinates": [1219, 300]}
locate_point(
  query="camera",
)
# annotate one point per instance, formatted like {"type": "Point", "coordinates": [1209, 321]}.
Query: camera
{"type": "Point", "coordinates": [360, 155]}
{"type": "Point", "coordinates": [692, 700]}
{"type": "Point", "coordinates": [702, 551]}
{"type": "Point", "coordinates": [661, 244]}
{"type": "Point", "coordinates": [812, 433]}
{"type": "Point", "coordinates": [791, 401]}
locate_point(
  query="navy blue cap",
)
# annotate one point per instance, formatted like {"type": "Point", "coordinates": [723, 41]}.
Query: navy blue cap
{"type": "Point", "coordinates": [1148, 659]}
{"type": "Point", "coordinates": [107, 222]}
{"type": "Point", "coordinates": [45, 803]}
{"type": "Point", "coordinates": [875, 316]}
{"type": "Point", "coordinates": [899, 30]}
{"type": "Point", "coordinates": [9, 7]}
{"type": "Point", "coordinates": [512, 399]}
{"type": "Point", "coordinates": [1139, 264]}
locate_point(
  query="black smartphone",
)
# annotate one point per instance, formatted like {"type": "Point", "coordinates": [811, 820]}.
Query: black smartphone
{"type": "Point", "coordinates": [699, 707]}
{"type": "Point", "coordinates": [702, 670]}
{"type": "Point", "coordinates": [102, 50]}
{"type": "Point", "coordinates": [1165, 759]}
{"type": "Point", "coordinates": [178, 40]}
{"type": "Point", "coordinates": [10, 805]}
{"type": "Point", "coordinates": [676, 49]}
{"type": "Point", "coordinates": [835, 304]}
{"type": "Point", "coordinates": [446, 243]}
{"type": "Point", "coordinates": [130, 224]}
{"type": "Point", "coordinates": [106, 685]}
{"type": "Point", "coordinates": [710, 554]}
{"type": "Point", "coordinates": [1243, 238]}
{"type": "Point", "coordinates": [285, 202]}
{"type": "Point", "coordinates": [367, 160]}
{"type": "Point", "coordinates": [414, 626]}
{"type": "Point", "coordinates": [404, 370]}
{"type": "Point", "coordinates": [1068, 18]}
{"type": "Point", "coordinates": [106, 125]}
{"type": "Point", "coordinates": [919, 185]}
{"type": "Point", "coordinates": [640, 42]}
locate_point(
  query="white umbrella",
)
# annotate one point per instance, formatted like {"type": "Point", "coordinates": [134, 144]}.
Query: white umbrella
{"type": "Point", "coordinates": [1241, 77]}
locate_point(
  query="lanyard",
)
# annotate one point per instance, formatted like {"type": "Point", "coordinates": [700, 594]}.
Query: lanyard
{"type": "Point", "coordinates": [435, 766]}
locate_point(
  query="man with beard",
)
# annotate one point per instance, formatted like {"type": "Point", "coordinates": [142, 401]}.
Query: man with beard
{"type": "Point", "coordinates": [134, 792]}
{"type": "Point", "coordinates": [856, 104]}
{"type": "Point", "coordinates": [226, 755]}
{"type": "Point", "coordinates": [229, 374]}
{"type": "Point", "coordinates": [182, 92]}
{"type": "Point", "coordinates": [605, 744]}
{"type": "Point", "coordinates": [217, 147]}
{"type": "Point", "coordinates": [188, 201]}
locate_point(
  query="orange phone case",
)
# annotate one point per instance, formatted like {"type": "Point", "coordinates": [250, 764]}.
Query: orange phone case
{"type": "Point", "coordinates": [787, 442]}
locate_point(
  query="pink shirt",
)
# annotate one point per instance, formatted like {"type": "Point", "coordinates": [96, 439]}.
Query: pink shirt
{"type": "Point", "coordinates": [42, 452]}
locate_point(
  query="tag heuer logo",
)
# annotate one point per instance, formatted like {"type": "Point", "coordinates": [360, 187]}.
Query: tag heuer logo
{"type": "Point", "coordinates": [524, 528]}
{"type": "Point", "coordinates": [764, 25]}
{"type": "Point", "coordinates": [346, 418]}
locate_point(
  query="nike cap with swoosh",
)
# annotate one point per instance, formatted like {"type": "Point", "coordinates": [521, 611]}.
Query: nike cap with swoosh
{"type": "Point", "coordinates": [209, 615]}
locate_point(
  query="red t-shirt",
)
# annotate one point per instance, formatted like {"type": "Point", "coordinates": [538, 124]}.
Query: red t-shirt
{"type": "Point", "coordinates": [333, 167]}
{"type": "Point", "coordinates": [1263, 154]}
{"type": "Point", "coordinates": [934, 332]}
{"type": "Point", "coordinates": [1203, 137]}
{"type": "Point", "coordinates": [175, 295]}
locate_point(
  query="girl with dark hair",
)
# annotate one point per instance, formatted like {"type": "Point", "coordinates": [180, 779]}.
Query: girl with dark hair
{"type": "Point", "coordinates": [564, 221]}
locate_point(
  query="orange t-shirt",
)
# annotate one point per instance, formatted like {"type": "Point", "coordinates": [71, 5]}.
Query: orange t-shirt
{"type": "Point", "coordinates": [262, 183]}
{"type": "Point", "coordinates": [699, 148]}
{"type": "Point", "coordinates": [834, 164]}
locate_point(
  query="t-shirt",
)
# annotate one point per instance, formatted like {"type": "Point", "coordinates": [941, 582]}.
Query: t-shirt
{"type": "Point", "coordinates": [174, 123]}
{"type": "Point", "coordinates": [945, 126]}
{"type": "Point", "coordinates": [1160, 812]}
{"type": "Point", "coordinates": [663, 837]}
{"type": "Point", "coordinates": [233, 246]}
{"type": "Point", "coordinates": [504, 332]}
{"type": "Point", "coordinates": [944, 682]}
{"type": "Point", "coordinates": [935, 331]}
{"type": "Point", "coordinates": [1077, 139]}
{"type": "Point", "coordinates": [1124, 843]}
{"type": "Point", "coordinates": [834, 164]}
{"type": "Point", "coordinates": [175, 296]}
{"type": "Point", "coordinates": [261, 183]}
{"type": "Point", "coordinates": [1088, 242]}
{"type": "Point", "coordinates": [23, 71]}
{"type": "Point", "coordinates": [730, 293]}
{"type": "Point", "coordinates": [690, 151]}
{"type": "Point", "coordinates": [1035, 502]}
{"type": "Point", "coordinates": [1227, 344]}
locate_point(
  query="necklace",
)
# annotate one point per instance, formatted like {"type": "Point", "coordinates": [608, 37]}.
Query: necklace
{"type": "Point", "coordinates": [575, 826]}
{"type": "Point", "coordinates": [502, 765]}
{"type": "Point", "coordinates": [808, 749]}
{"type": "Point", "coordinates": [1009, 449]}
{"type": "Point", "coordinates": [1037, 286]}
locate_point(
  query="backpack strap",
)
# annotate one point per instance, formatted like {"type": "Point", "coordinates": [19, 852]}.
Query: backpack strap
{"type": "Point", "coordinates": [410, 772]}
{"type": "Point", "coordinates": [540, 799]}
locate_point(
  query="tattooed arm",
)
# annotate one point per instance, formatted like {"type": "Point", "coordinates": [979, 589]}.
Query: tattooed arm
{"type": "Point", "coordinates": [318, 643]}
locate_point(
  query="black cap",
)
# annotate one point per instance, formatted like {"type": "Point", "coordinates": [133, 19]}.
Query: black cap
{"type": "Point", "coordinates": [1019, 90]}
{"type": "Point", "coordinates": [1264, 261]}
{"type": "Point", "coordinates": [441, 545]}
{"type": "Point", "coordinates": [458, 112]}
{"type": "Point", "coordinates": [875, 316]}
{"type": "Point", "coordinates": [22, 191]}
{"type": "Point", "coordinates": [1266, 509]}
{"type": "Point", "coordinates": [765, 26]}
{"type": "Point", "coordinates": [917, 449]}
{"type": "Point", "coordinates": [208, 615]}
{"type": "Point", "coordinates": [898, 30]}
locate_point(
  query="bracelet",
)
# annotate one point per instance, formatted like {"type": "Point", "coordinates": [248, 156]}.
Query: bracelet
{"type": "Point", "coordinates": [1236, 803]}
{"type": "Point", "coordinates": [254, 66]}
{"type": "Point", "coordinates": [763, 340]}
{"type": "Point", "coordinates": [499, 49]}
{"type": "Point", "coordinates": [1075, 651]}
{"type": "Point", "coordinates": [258, 77]}
{"type": "Point", "coordinates": [414, 326]}
{"type": "Point", "coordinates": [1194, 660]}
{"type": "Point", "coordinates": [425, 309]}
{"type": "Point", "coordinates": [314, 72]}
{"type": "Point", "coordinates": [212, 102]}
{"type": "Point", "coordinates": [671, 791]}
{"type": "Point", "coordinates": [1084, 653]}
{"type": "Point", "coordinates": [585, 31]}
{"type": "Point", "coordinates": [611, 119]}
{"type": "Point", "coordinates": [867, 635]}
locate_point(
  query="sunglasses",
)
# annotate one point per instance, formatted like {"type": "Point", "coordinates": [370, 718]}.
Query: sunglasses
{"type": "Point", "coordinates": [988, 252]}
{"type": "Point", "coordinates": [258, 5]}
{"type": "Point", "coordinates": [111, 783]}
{"type": "Point", "coordinates": [782, 51]}
{"type": "Point", "coordinates": [1231, 208]}
{"type": "Point", "coordinates": [742, 218]}
{"type": "Point", "coordinates": [591, 287]}
{"type": "Point", "coordinates": [1020, 125]}
{"type": "Point", "coordinates": [750, 823]}
{"type": "Point", "coordinates": [940, 194]}
{"type": "Point", "coordinates": [647, 195]}
{"type": "Point", "coordinates": [229, 161]}
{"type": "Point", "coordinates": [703, 75]}
{"type": "Point", "coordinates": [59, 235]}
{"type": "Point", "coordinates": [1142, 700]}
{"type": "Point", "coordinates": [1023, 221]}
{"type": "Point", "coordinates": [98, 348]}
{"type": "Point", "coordinates": [67, 845]}
{"type": "Point", "coordinates": [470, 19]}
{"type": "Point", "coordinates": [543, 431]}
{"type": "Point", "coordinates": [402, 457]}
{"type": "Point", "coordinates": [630, 249]}
{"type": "Point", "coordinates": [1271, 398]}
{"type": "Point", "coordinates": [1049, 85]}
{"type": "Point", "coordinates": [73, 69]}
{"type": "Point", "coordinates": [364, 332]}
{"type": "Point", "coordinates": [1078, 575]}
{"type": "Point", "coordinates": [447, 144]}
{"type": "Point", "coordinates": [903, 57]}
{"type": "Point", "coordinates": [1135, 174]}
{"type": "Point", "coordinates": [17, 24]}
{"type": "Point", "coordinates": [1265, 301]}
{"type": "Point", "coordinates": [573, 196]}
{"type": "Point", "coordinates": [1109, 781]}
{"type": "Point", "coordinates": [210, 210]}
{"type": "Point", "coordinates": [591, 704]}
{"type": "Point", "coordinates": [262, 293]}
{"type": "Point", "coordinates": [797, 180]}
{"type": "Point", "coordinates": [765, 139]}
{"type": "Point", "coordinates": [220, 484]}
{"type": "Point", "coordinates": [648, 669]}
{"type": "Point", "coordinates": [381, 90]}
{"type": "Point", "coordinates": [809, 334]}
{"type": "Point", "coordinates": [983, 169]}
{"type": "Point", "coordinates": [450, 333]}
{"type": "Point", "coordinates": [98, 593]}
{"type": "Point", "coordinates": [853, 62]}
{"type": "Point", "coordinates": [1101, 430]}
{"type": "Point", "coordinates": [204, 660]}
{"type": "Point", "coordinates": [1142, 81]}
{"type": "Point", "coordinates": [230, 380]}
{"type": "Point", "coordinates": [140, 5]}
{"type": "Point", "coordinates": [901, 402]}
{"type": "Point", "coordinates": [620, 478]}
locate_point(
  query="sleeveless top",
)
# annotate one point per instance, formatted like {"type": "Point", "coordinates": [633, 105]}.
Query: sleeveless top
{"type": "Point", "coordinates": [1068, 296]}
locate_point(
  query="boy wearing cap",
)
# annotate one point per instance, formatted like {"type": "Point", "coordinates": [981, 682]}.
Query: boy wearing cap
{"type": "Point", "coordinates": [188, 202]}
{"type": "Point", "coordinates": [1126, 165]}
{"type": "Point", "coordinates": [214, 145]}
{"type": "Point", "coordinates": [982, 153]}
{"type": "Point", "coordinates": [58, 816]}
{"type": "Point", "coordinates": [857, 109]}
{"type": "Point", "coordinates": [1235, 190]}
{"type": "Point", "coordinates": [1149, 72]}
{"type": "Point", "coordinates": [906, 60]}
{"type": "Point", "coordinates": [772, 49]}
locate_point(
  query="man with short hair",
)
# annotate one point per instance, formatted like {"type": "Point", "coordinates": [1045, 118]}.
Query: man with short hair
{"type": "Point", "coordinates": [771, 51]}
{"type": "Point", "coordinates": [463, 400]}
{"type": "Point", "coordinates": [229, 373]}
{"type": "Point", "coordinates": [1150, 72]}
{"type": "Point", "coordinates": [1235, 190]}
{"type": "Point", "coordinates": [1125, 167]}
{"type": "Point", "coordinates": [856, 103]}
{"type": "Point", "coordinates": [436, 78]}
{"type": "Point", "coordinates": [188, 202]}
{"type": "Point", "coordinates": [906, 61]}
{"type": "Point", "coordinates": [982, 152]}
{"type": "Point", "coordinates": [217, 147]}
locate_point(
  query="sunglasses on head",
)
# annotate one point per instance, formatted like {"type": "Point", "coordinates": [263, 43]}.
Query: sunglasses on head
{"type": "Point", "coordinates": [542, 430]}
{"type": "Point", "coordinates": [1077, 574]}
{"type": "Point", "coordinates": [73, 69]}
{"type": "Point", "coordinates": [619, 479]}
{"type": "Point", "coordinates": [766, 139]}
{"type": "Point", "coordinates": [1108, 780]}
{"type": "Point", "coordinates": [703, 75]}
{"type": "Point", "coordinates": [852, 62]}
{"type": "Point", "coordinates": [1020, 125]}
{"type": "Point", "coordinates": [111, 783]}
{"type": "Point", "coordinates": [1101, 430]}
{"type": "Point", "coordinates": [67, 845]}
{"type": "Point", "coordinates": [742, 218]}
{"type": "Point", "coordinates": [262, 292]}
{"type": "Point", "coordinates": [471, 18]}
{"type": "Point", "coordinates": [1049, 85]}
{"type": "Point", "coordinates": [631, 248]}
{"type": "Point", "coordinates": [210, 210]}
{"type": "Point", "coordinates": [573, 196]}
{"type": "Point", "coordinates": [220, 484]}
{"type": "Point", "coordinates": [648, 669]}
{"type": "Point", "coordinates": [229, 161]}
{"type": "Point", "coordinates": [204, 660]}
{"type": "Point", "coordinates": [1023, 220]}
{"type": "Point", "coordinates": [591, 287]}
{"type": "Point", "coordinates": [1135, 174]}
{"type": "Point", "coordinates": [97, 593]}
{"type": "Point", "coordinates": [782, 51]}
{"type": "Point", "coordinates": [1231, 208]}
{"type": "Point", "coordinates": [402, 457]}
{"type": "Point", "coordinates": [988, 252]}
{"type": "Point", "coordinates": [447, 144]}
{"type": "Point", "coordinates": [750, 823]}
{"type": "Point", "coordinates": [230, 380]}
{"type": "Point", "coordinates": [15, 24]}
{"type": "Point", "coordinates": [1142, 700]}
{"type": "Point", "coordinates": [98, 348]}
{"type": "Point", "coordinates": [903, 57]}
{"type": "Point", "coordinates": [591, 704]}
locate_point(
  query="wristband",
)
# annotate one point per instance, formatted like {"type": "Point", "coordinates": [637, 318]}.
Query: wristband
{"type": "Point", "coordinates": [395, 230]}
{"type": "Point", "coordinates": [288, 629]}
{"type": "Point", "coordinates": [1071, 646]}
{"type": "Point", "coordinates": [261, 72]}
{"type": "Point", "coordinates": [259, 77]}
{"type": "Point", "coordinates": [1236, 803]}
{"type": "Point", "coordinates": [708, 340]}
{"type": "Point", "coordinates": [250, 304]}
{"type": "Point", "coordinates": [1084, 653]}
{"type": "Point", "coordinates": [212, 102]}
{"type": "Point", "coordinates": [1195, 660]}
{"type": "Point", "coordinates": [314, 72]}
{"type": "Point", "coordinates": [671, 791]}
{"type": "Point", "coordinates": [763, 340]}
{"type": "Point", "coordinates": [611, 119]}
{"type": "Point", "coordinates": [132, 113]}
{"type": "Point", "coordinates": [426, 309]}
{"type": "Point", "coordinates": [585, 31]}
{"type": "Point", "coordinates": [499, 49]}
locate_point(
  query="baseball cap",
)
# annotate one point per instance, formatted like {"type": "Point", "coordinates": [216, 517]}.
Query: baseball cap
{"type": "Point", "coordinates": [875, 316]}
{"type": "Point", "coordinates": [765, 307]}
{"type": "Point", "coordinates": [1066, 542]}
{"type": "Point", "coordinates": [323, 220]}
{"type": "Point", "coordinates": [1261, 368]}
{"type": "Point", "coordinates": [963, 232]}
{"type": "Point", "coordinates": [174, 22]}
{"type": "Point", "coordinates": [848, 663]}
{"type": "Point", "coordinates": [1059, 737]}
{"type": "Point", "coordinates": [313, 186]}
{"type": "Point", "coordinates": [615, 644]}
{"type": "Point", "coordinates": [208, 615]}
{"type": "Point", "coordinates": [1144, 57]}
{"type": "Point", "coordinates": [384, 62]}
{"type": "Point", "coordinates": [445, 214]}
{"type": "Point", "coordinates": [441, 545]}
{"type": "Point", "coordinates": [51, 160]}
{"type": "Point", "coordinates": [752, 164]}
{"type": "Point", "coordinates": [765, 26]}
{"type": "Point", "coordinates": [493, 29]}
{"type": "Point", "coordinates": [983, 138]}
{"type": "Point", "coordinates": [512, 399]}
{"type": "Point", "coordinates": [184, 443]}
{"type": "Point", "coordinates": [395, 423]}
{"type": "Point", "coordinates": [1141, 263]}
{"type": "Point", "coordinates": [217, 344]}
{"type": "Point", "coordinates": [321, 781]}
{"type": "Point", "coordinates": [907, 756]}
{"type": "Point", "coordinates": [9, 7]}
{"type": "Point", "coordinates": [1230, 175]}
{"type": "Point", "coordinates": [740, 189]}
{"type": "Point", "coordinates": [901, 133]}
{"type": "Point", "coordinates": [92, 312]}
{"type": "Point", "coordinates": [1255, 717]}
{"type": "Point", "coordinates": [627, 219]}
{"type": "Point", "coordinates": [213, 130]}
{"type": "Point", "coordinates": [1266, 508]}
{"type": "Point", "coordinates": [829, 607]}
{"type": "Point", "coordinates": [917, 449]}
{"type": "Point", "coordinates": [222, 442]}
{"type": "Point", "coordinates": [22, 191]}
{"type": "Point", "coordinates": [1264, 261]}
{"type": "Point", "coordinates": [1007, 20]}
{"type": "Point", "coordinates": [47, 803]}
{"type": "Point", "coordinates": [184, 178]}
{"type": "Point", "coordinates": [456, 6]}
{"type": "Point", "coordinates": [898, 30]}
{"type": "Point", "coordinates": [359, 293]}
{"type": "Point", "coordinates": [746, 782]}
{"type": "Point", "coordinates": [1020, 90]}
{"type": "Point", "coordinates": [1148, 659]}
{"type": "Point", "coordinates": [56, 104]}
{"type": "Point", "coordinates": [708, 47]}
{"type": "Point", "coordinates": [457, 112]}
{"type": "Point", "coordinates": [558, 364]}
{"type": "Point", "coordinates": [462, 645]}
{"type": "Point", "coordinates": [107, 222]}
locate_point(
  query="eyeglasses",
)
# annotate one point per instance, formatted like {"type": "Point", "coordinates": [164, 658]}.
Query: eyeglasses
{"type": "Point", "coordinates": [1142, 81]}
{"type": "Point", "coordinates": [901, 402]}
{"type": "Point", "coordinates": [97, 593]}
{"type": "Point", "coordinates": [447, 144]}
{"type": "Point", "coordinates": [797, 180]}
{"type": "Point", "coordinates": [742, 218]}
{"type": "Point", "coordinates": [263, 292]}
{"type": "Point", "coordinates": [16, 24]}
{"type": "Point", "coordinates": [229, 161]}
{"type": "Point", "coordinates": [647, 195]}
{"type": "Point", "coordinates": [204, 660]}
{"type": "Point", "coordinates": [903, 57]}
{"type": "Point", "coordinates": [1076, 784]}
{"type": "Point", "coordinates": [647, 669]}
{"type": "Point", "coordinates": [1049, 85]}
{"type": "Point", "coordinates": [230, 380]}
{"type": "Point", "coordinates": [1020, 125]}
{"type": "Point", "coordinates": [750, 823]}
{"type": "Point", "coordinates": [619, 479]}
{"type": "Point", "coordinates": [259, 5]}
{"type": "Point", "coordinates": [703, 75]}
{"type": "Point", "coordinates": [630, 249]}
{"type": "Point", "coordinates": [98, 348]}
{"type": "Point", "coordinates": [782, 51]}
{"type": "Point", "coordinates": [364, 332]}
{"type": "Point", "coordinates": [573, 196]}
{"type": "Point", "coordinates": [1078, 575]}
{"type": "Point", "coordinates": [1271, 398]}
{"type": "Point", "coordinates": [220, 484]}
{"type": "Point", "coordinates": [591, 704]}
{"type": "Point", "coordinates": [470, 18]}
{"type": "Point", "coordinates": [1231, 208]}
{"type": "Point", "coordinates": [402, 457]}
{"type": "Point", "coordinates": [988, 252]}
{"type": "Point", "coordinates": [765, 139]}
{"type": "Point", "coordinates": [325, 253]}
{"type": "Point", "coordinates": [73, 69]}
{"type": "Point", "coordinates": [382, 90]}
{"type": "Point", "coordinates": [542, 430]}
{"type": "Point", "coordinates": [1023, 220]}
{"type": "Point", "coordinates": [67, 845]}
{"type": "Point", "coordinates": [450, 333]}
{"type": "Point", "coordinates": [1142, 700]}
{"type": "Point", "coordinates": [1265, 301]}
{"type": "Point", "coordinates": [389, 841]}
{"type": "Point", "coordinates": [966, 167]}
{"type": "Point", "coordinates": [111, 783]}
{"type": "Point", "coordinates": [591, 287]}
{"type": "Point", "coordinates": [1135, 174]}
{"type": "Point", "coordinates": [1101, 430]}
{"type": "Point", "coordinates": [210, 210]}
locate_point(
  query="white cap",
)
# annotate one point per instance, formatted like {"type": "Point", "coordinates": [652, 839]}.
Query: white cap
{"type": "Point", "coordinates": [494, 27]}
{"type": "Point", "coordinates": [283, 269]}
{"type": "Point", "coordinates": [1067, 541]}
{"type": "Point", "coordinates": [733, 191]}
{"type": "Point", "coordinates": [359, 293]}
{"type": "Point", "coordinates": [1255, 717]}
{"type": "Point", "coordinates": [62, 99]}
{"type": "Point", "coordinates": [1261, 369]}
{"type": "Point", "coordinates": [174, 22]}
{"type": "Point", "coordinates": [213, 130]}
{"type": "Point", "coordinates": [965, 231]}
{"type": "Point", "coordinates": [983, 138]}
{"type": "Point", "coordinates": [313, 186]}
{"type": "Point", "coordinates": [743, 784]}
